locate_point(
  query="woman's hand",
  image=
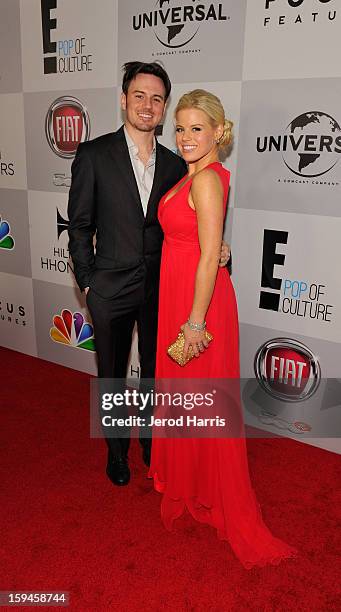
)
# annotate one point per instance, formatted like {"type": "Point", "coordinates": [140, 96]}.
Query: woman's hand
{"type": "Point", "coordinates": [195, 339]}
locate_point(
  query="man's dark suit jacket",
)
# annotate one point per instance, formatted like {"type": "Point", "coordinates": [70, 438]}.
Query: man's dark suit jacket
{"type": "Point", "coordinates": [104, 200]}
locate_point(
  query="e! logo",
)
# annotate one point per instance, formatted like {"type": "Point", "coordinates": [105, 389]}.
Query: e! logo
{"type": "Point", "coordinates": [48, 24]}
{"type": "Point", "coordinates": [269, 300]}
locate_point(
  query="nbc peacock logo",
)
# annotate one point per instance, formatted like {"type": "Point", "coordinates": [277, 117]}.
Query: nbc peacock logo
{"type": "Point", "coordinates": [6, 240]}
{"type": "Point", "coordinates": [71, 329]}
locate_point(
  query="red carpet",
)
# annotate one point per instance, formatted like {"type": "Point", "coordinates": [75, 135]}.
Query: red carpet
{"type": "Point", "coordinates": [66, 527]}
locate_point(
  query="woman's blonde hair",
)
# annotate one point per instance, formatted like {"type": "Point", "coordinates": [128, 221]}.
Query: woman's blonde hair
{"type": "Point", "coordinates": [211, 105]}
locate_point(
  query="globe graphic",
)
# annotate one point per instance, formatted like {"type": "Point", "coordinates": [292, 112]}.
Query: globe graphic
{"type": "Point", "coordinates": [310, 150]}
{"type": "Point", "coordinates": [174, 34]}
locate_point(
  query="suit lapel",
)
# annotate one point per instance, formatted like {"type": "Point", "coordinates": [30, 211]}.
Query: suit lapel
{"type": "Point", "coordinates": [157, 182]}
{"type": "Point", "coordinates": [119, 152]}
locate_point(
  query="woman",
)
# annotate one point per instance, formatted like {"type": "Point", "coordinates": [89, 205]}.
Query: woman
{"type": "Point", "coordinates": [208, 476]}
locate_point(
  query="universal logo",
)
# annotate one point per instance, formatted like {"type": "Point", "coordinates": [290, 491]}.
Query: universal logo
{"type": "Point", "coordinates": [67, 124]}
{"type": "Point", "coordinates": [300, 11]}
{"type": "Point", "coordinates": [287, 370]}
{"type": "Point", "coordinates": [176, 23]}
{"type": "Point", "coordinates": [310, 146]}
{"type": "Point", "coordinates": [67, 55]}
{"type": "Point", "coordinates": [289, 296]}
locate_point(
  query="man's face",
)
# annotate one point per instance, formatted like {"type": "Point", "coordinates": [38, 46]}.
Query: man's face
{"type": "Point", "coordinates": [144, 103]}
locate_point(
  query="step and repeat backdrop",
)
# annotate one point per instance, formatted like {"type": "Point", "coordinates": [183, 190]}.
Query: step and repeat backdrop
{"type": "Point", "coordinates": [275, 64]}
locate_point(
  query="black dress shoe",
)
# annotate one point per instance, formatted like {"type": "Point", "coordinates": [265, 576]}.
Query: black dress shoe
{"type": "Point", "coordinates": [118, 471]}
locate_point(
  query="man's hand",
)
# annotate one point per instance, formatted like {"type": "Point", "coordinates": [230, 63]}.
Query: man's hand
{"type": "Point", "coordinates": [225, 254]}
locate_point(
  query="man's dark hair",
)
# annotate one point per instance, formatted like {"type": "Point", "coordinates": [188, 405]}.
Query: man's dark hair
{"type": "Point", "coordinates": [132, 69]}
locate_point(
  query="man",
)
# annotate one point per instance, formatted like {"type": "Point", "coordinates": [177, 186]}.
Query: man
{"type": "Point", "coordinates": [117, 182]}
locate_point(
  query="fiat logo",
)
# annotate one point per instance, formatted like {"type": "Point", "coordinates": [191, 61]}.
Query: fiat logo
{"type": "Point", "coordinates": [67, 124]}
{"type": "Point", "coordinates": [287, 369]}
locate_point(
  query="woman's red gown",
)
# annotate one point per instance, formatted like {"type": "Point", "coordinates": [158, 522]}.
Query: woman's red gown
{"type": "Point", "coordinates": [209, 477]}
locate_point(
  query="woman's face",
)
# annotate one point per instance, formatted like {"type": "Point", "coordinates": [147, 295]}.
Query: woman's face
{"type": "Point", "coordinates": [195, 135]}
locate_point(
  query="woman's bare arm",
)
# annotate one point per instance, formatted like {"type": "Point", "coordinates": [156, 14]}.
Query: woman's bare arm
{"type": "Point", "coordinates": [207, 197]}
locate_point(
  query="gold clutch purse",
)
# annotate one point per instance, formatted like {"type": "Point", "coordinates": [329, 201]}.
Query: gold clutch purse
{"type": "Point", "coordinates": [175, 350]}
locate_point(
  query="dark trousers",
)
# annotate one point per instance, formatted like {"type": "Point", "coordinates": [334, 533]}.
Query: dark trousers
{"type": "Point", "coordinates": [114, 320]}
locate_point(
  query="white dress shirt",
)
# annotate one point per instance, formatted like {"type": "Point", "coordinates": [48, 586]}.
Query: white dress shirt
{"type": "Point", "coordinates": [144, 174]}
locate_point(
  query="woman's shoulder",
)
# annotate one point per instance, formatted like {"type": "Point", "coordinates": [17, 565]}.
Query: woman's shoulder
{"type": "Point", "coordinates": [210, 175]}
